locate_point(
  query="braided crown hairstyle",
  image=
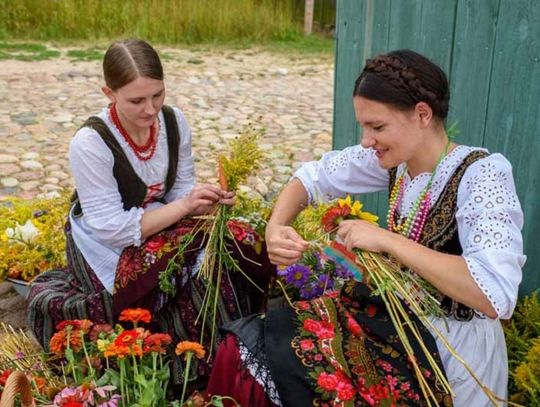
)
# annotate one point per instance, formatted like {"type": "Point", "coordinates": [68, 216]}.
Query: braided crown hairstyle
{"type": "Point", "coordinates": [403, 78]}
{"type": "Point", "coordinates": [126, 60]}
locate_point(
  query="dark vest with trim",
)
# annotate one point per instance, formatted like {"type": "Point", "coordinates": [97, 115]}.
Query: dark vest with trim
{"type": "Point", "coordinates": [131, 187]}
{"type": "Point", "coordinates": [441, 232]}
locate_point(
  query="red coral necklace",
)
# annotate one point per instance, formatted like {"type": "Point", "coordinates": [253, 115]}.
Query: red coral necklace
{"type": "Point", "coordinates": [144, 152]}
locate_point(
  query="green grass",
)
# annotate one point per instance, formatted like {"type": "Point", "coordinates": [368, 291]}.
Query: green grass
{"type": "Point", "coordinates": [234, 24]}
{"type": "Point", "coordinates": [158, 21]}
{"type": "Point", "coordinates": [26, 51]}
{"type": "Point", "coordinates": [90, 54]}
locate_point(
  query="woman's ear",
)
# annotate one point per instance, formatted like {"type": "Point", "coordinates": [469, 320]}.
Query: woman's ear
{"type": "Point", "coordinates": [424, 113]}
{"type": "Point", "coordinates": [109, 93]}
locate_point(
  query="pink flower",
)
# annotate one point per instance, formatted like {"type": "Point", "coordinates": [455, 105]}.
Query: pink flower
{"type": "Point", "coordinates": [345, 391]}
{"type": "Point", "coordinates": [354, 327]}
{"type": "Point", "coordinates": [326, 330]}
{"type": "Point", "coordinates": [306, 344]}
{"type": "Point", "coordinates": [155, 243]}
{"type": "Point", "coordinates": [311, 325]}
{"type": "Point", "coordinates": [328, 382]}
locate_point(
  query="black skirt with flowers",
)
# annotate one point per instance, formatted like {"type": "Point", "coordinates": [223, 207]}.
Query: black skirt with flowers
{"type": "Point", "coordinates": [338, 349]}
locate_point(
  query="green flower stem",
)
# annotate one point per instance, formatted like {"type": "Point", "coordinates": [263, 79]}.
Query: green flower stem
{"type": "Point", "coordinates": [189, 356]}
{"type": "Point", "coordinates": [154, 365]}
{"type": "Point", "coordinates": [90, 368]}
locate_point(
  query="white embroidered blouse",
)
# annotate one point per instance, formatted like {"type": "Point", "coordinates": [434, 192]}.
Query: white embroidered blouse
{"type": "Point", "coordinates": [105, 228]}
{"type": "Point", "coordinates": [489, 219]}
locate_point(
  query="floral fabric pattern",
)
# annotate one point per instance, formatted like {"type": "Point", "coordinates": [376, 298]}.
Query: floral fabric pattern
{"type": "Point", "coordinates": [353, 355]}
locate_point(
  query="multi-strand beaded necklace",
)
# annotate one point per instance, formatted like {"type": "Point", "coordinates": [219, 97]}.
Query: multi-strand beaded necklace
{"type": "Point", "coordinates": [413, 224]}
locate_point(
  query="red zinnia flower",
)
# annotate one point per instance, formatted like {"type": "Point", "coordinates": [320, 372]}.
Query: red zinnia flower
{"type": "Point", "coordinates": [156, 343]}
{"type": "Point", "coordinates": [98, 329]}
{"type": "Point", "coordinates": [135, 315]}
{"type": "Point", "coordinates": [72, 404]}
{"type": "Point", "coordinates": [127, 338]}
{"type": "Point", "coordinates": [333, 216]}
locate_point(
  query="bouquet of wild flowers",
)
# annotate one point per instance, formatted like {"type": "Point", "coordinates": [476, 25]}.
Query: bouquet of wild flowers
{"type": "Point", "coordinates": [385, 276]}
{"type": "Point", "coordinates": [31, 236]}
{"type": "Point", "coordinates": [316, 272]}
{"type": "Point", "coordinates": [223, 227]}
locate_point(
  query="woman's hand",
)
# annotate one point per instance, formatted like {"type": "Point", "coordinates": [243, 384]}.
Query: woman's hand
{"type": "Point", "coordinates": [203, 197]}
{"type": "Point", "coordinates": [284, 245]}
{"type": "Point", "coordinates": [365, 235]}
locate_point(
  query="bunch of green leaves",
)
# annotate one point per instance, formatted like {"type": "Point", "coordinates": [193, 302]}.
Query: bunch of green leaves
{"type": "Point", "coordinates": [523, 344]}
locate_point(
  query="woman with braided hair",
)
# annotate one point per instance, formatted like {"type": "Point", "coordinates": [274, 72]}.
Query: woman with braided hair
{"type": "Point", "coordinates": [465, 239]}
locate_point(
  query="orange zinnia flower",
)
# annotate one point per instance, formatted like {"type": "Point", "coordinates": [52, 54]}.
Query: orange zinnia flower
{"type": "Point", "coordinates": [193, 347]}
{"type": "Point", "coordinates": [136, 315]}
{"type": "Point", "coordinates": [84, 324]}
{"type": "Point", "coordinates": [127, 338]}
{"type": "Point", "coordinates": [156, 343]}
{"type": "Point", "coordinates": [118, 351]}
{"type": "Point", "coordinates": [58, 343]}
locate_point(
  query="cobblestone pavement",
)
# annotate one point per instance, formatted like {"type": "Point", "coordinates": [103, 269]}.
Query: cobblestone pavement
{"type": "Point", "coordinates": [43, 103]}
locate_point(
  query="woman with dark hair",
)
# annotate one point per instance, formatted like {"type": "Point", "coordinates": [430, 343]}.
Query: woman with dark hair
{"type": "Point", "coordinates": [464, 238]}
{"type": "Point", "coordinates": [134, 175]}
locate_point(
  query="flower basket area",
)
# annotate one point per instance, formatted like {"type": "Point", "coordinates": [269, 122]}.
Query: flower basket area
{"type": "Point", "coordinates": [96, 365]}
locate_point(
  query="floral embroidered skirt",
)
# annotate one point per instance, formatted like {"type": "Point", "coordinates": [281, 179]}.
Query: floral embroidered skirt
{"type": "Point", "coordinates": [77, 293]}
{"type": "Point", "coordinates": [337, 350]}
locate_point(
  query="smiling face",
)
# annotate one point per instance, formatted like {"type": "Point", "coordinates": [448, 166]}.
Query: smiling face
{"type": "Point", "coordinates": [139, 102]}
{"type": "Point", "coordinates": [395, 135]}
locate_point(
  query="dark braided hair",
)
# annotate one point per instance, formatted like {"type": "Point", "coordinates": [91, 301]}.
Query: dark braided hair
{"type": "Point", "coordinates": [403, 78]}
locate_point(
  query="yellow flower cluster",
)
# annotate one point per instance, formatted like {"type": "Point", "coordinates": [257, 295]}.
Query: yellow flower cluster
{"type": "Point", "coordinates": [31, 236]}
{"type": "Point", "coordinates": [356, 209]}
{"type": "Point", "coordinates": [244, 158]}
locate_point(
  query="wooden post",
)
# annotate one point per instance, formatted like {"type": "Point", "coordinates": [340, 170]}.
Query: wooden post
{"type": "Point", "coordinates": [308, 17]}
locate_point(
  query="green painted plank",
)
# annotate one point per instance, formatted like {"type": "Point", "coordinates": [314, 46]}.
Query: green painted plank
{"type": "Point", "coordinates": [376, 42]}
{"type": "Point", "coordinates": [512, 124]}
{"type": "Point", "coordinates": [405, 24]}
{"type": "Point", "coordinates": [350, 28]}
{"type": "Point", "coordinates": [473, 48]}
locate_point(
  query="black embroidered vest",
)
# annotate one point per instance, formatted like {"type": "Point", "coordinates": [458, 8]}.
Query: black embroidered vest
{"type": "Point", "coordinates": [132, 189]}
{"type": "Point", "coordinates": [440, 230]}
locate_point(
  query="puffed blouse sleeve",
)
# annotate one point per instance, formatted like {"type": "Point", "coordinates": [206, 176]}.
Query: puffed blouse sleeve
{"type": "Point", "coordinates": [185, 174]}
{"type": "Point", "coordinates": [353, 170]}
{"type": "Point", "coordinates": [91, 163]}
{"type": "Point", "coordinates": [489, 226]}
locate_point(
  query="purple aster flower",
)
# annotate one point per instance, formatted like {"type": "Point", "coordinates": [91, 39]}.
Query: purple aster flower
{"type": "Point", "coordinates": [342, 271]}
{"type": "Point", "coordinates": [282, 271]}
{"type": "Point", "coordinates": [325, 283]}
{"type": "Point", "coordinates": [306, 292]}
{"type": "Point", "coordinates": [297, 274]}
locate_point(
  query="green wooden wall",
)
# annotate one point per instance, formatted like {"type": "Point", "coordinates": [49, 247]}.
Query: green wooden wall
{"type": "Point", "coordinates": [491, 52]}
